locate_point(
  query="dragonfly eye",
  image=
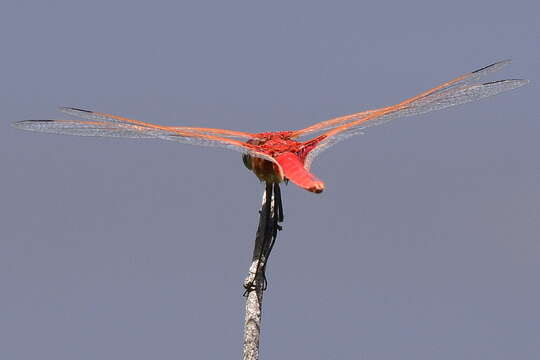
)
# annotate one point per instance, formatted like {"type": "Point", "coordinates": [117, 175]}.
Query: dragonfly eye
{"type": "Point", "coordinates": [247, 161]}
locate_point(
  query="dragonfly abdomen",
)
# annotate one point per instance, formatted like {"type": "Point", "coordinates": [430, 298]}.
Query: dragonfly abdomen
{"type": "Point", "coordinates": [294, 170]}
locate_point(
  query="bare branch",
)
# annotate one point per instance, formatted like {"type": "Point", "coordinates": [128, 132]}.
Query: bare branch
{"type": "Point", "coordinates": [255, 283]}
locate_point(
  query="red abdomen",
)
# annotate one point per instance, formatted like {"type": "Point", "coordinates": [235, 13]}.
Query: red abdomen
{"type": "Point", "coordinates": [294, 170]}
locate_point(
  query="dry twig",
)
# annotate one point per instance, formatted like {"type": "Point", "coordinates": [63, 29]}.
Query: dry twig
{"type": "Point", "coordinates": [255, 283]}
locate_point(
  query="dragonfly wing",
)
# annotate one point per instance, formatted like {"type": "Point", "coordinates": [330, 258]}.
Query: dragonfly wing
{"type": "Point", "coordinates": [129, 130]}
{"type": "Point", "coordinates": [85, 128]}
{"type": "Point", "coordinates": [98, 116]}
{"type": "Point", "coordinates": [460, 80]}
{"type": "Point", "coordinates": [446, 95]}
{"type": "Point", "coordinates": [217, 132]}
{"type": "Point", "coordinates": [190, 135]}
{"type": "Point", "coordinates": [332, 123]}
{"type": "Point", "coordinates": [210, 140]}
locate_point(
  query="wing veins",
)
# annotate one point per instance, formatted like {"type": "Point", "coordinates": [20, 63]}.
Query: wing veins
{"type": "Point", "coordinates": [358, 117]}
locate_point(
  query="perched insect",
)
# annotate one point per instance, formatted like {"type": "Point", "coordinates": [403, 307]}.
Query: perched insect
{"type": "Point", "coordinates": [279, 156]}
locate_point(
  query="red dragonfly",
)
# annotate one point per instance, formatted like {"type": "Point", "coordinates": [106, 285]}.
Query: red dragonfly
{"type": "Point", "coordinates": [279, 156]}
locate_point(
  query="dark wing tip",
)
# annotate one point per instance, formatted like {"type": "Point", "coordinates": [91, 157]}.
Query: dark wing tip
{"type": "Point", "coordinates": [495, 64]}
{"type": "Point", "coordinates": [64, 108]}
{"type": "Point", "coordinates": [510, 83]}
{"type": "Point", "coordinates": [24, 124]}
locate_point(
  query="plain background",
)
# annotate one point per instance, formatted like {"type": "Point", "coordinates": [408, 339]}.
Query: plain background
{"type": "Point", "coordinates": [424, 246]}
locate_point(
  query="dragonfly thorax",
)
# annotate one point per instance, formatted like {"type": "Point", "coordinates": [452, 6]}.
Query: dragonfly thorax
{"type": "Point", "coordinates": [264, 169]}
{"type": "Point", "coordinates": [272, 144]}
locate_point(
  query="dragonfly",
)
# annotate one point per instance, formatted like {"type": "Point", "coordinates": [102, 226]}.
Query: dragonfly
{"type": "Point", "coordinates": [280, 156]}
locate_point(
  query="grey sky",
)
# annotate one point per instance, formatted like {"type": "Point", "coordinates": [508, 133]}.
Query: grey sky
{"type": "Point", "coordinates": [424, 245]}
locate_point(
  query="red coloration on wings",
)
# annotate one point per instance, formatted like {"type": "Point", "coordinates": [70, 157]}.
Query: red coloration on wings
{"type": "Point", "coordinates": [277, 156]}
{"type": "Point", "coordinates": [107, 125]}
{"type": "Point", "coordinates": [294, 170]}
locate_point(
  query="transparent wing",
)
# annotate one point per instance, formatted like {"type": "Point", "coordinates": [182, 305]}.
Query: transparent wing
{"type": "Point", "coordinates": [87, 128]}
{"type": "Point", "coordinates": [460, 80]}
{"type": "Point", "coordinates": [454, 92]}
{"type": "Point", "coordinates": [138, 130]}
{"type": "Point", "coordinates": [94, 115]}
